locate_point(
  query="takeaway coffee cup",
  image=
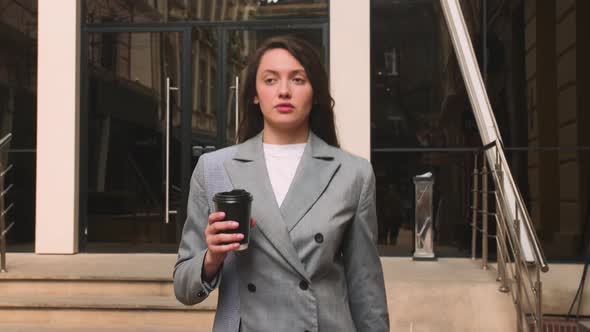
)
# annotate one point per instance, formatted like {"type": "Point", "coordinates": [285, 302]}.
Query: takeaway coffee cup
{"type": "Point", "coordinates": [237, 205]}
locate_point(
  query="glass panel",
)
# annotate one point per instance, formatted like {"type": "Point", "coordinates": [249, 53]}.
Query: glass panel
{"type": "Point", "coordinates": [141, 11]}
{"type": "Point", "coordinates": [540, 95]}
{"type": "Point", "coordinates": [204, 104]}
{"type": "Point", "coordinates": [395, 200]}
{"type": "Point", "coordinates": [537, 92]}
{"type": "Point", "coordinates": [419, 107]}
{"type": "Point", "coordinates": [127, 140]}
{"type": "Point", "coordinates": [555, 186]}
{"type": "Point", "coordinates": [18, 115]}
{"type": "Point", "coordinates": [241, 44]}
{"type": "Point", "coordinates": [418, 95]}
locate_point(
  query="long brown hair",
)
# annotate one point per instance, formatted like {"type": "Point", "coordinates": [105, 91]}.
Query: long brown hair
{"type": "Point", "coordinates": [321, 117]}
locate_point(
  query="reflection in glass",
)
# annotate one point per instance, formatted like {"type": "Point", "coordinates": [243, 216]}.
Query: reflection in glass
{"type": "Point", "coordinates": [204, 105]}
{"type": "Point", "coordinates": [418, 104]}
{"type": "Point", "coordinates": [421, 113]}
{"type": "Point", "coordinates": [418, 93]}
{"type": "Point", "coordinates": [396, 207]}
{"type": "Point", "coordinates": [126, 139]}
{"type": "Point", "coordinates": [18, 115]}
{"type": "Point", "coordinates": [557, 190]}
{"type": "Point", "coordinates": [142, 11]}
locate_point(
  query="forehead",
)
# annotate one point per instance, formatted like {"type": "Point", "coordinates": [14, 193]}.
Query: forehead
{"type": "Point", "coordinates": [279, 60]}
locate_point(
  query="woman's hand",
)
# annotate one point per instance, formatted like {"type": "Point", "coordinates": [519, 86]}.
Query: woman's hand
{"type": "Point", "coordinates": [220, 242]}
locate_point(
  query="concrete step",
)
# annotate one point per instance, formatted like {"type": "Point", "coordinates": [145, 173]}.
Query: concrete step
{"type": "Point", "coordinates": [90, 328]}
{"type": "Point", "coordinates": [88, 286]}
{"type": "Point", "coordinates": [102, 302]}
{"type": "Point", "coordinates": [105, 311]}
{"type": "Point", "coordinates": [97, 293]}
{"type": "Point", "coordinates": [446, 295]}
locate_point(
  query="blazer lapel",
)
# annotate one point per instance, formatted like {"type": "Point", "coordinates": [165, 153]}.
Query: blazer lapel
{"type": "Point", "coordinates": [247, 170]}
{"type": "Point", "coordinates": [315, 171]}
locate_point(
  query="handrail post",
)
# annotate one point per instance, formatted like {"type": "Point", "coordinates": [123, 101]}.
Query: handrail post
{"type": "Point", "coordinates": [484, 216]}
{"type": "Point", "coordinates": [3, 142]}
{"type": "Point", "coordinates": [539, 290]}
{"type": "Point", "coordinates": [2, 223]}
{"type": "Point", "coordinates": [517, 279]}
{"type": "Point", "coordinates": [500, 237]}
{"type": "Point", "coordinates": [503, 255]}
{"type": "Point", "coordinates": [474, 210]}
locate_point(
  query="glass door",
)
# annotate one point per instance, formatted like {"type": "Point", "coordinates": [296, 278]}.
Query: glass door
{"type": "Point", "coordinates": [155, 102]}
{"type": "Point", "coordinates": [134, 141]}
{"type": "Point", "coordinates": [205, 58]}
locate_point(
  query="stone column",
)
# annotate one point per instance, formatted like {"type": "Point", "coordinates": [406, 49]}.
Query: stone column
{"type": "Point", "coordinates": [350, 73]}
{"type": "Point", "coordinates": [58, 109]}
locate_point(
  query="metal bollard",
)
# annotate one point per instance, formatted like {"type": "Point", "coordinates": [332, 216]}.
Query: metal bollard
{"type": "Point", "coordinates": [424, 247]}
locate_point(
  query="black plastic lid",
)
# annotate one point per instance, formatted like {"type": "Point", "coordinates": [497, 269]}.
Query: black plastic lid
{"type": "Point", "coordinates": [231, 196]}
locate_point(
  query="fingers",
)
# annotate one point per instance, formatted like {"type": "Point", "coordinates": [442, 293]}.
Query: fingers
{"type": "Point", "coordinates": [220, 232]}
{"type": "Point", "coordinates": [225, 248]}
{"type": "Point", "coordinates": [222, 226]}
{"type": "Point", "coordinates": [220, 237]}
{"type": "Point", "coordinates": [217, 216]}
{"type": "Point", "coordinates": [220, 244]}
{"type": "Point", "coordinates": [223, 238]}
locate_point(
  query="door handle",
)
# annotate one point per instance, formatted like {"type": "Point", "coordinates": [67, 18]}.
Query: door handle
{"type": "Point", "coordinates": [167, 211]}
{"type": "Point", "coordinates": [236, 88]}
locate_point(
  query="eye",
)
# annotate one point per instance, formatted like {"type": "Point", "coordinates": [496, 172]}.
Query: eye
{"type": "Point", "coordinates": [270, 80]}
{"type": "Point", "coordinates": [299, 80]}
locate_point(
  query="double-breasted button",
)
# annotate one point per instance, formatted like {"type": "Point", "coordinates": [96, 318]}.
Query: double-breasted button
{"type": "Point", "coordinates": [319, 238]}
{"type": "Point", "coordinates": [201, 294]}
{"type": "Point", "coordinates": [303, 285]}
{"type": "Point", "coordinates": [252, 288]}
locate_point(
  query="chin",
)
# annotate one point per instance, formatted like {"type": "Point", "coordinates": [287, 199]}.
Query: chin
{"type": "Point", "coordinates": [287, 124]}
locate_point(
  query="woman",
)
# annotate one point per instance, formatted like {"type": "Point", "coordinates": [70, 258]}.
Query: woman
{"type": "Point", "coordinates": [312, 263]}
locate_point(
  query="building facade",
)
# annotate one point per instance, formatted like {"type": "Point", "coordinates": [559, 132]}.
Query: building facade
{"type": "Point", "coordinates": [111, 103]}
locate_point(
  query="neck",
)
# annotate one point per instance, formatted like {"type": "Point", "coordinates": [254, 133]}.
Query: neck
{"type": "Point", "coordinates": [276, 136]}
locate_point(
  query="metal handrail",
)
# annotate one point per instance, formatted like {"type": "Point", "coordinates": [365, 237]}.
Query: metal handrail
{"type": "Point", "coordinates": [522, 280]}
{"type": "Point", "coordinates": [520, 207]}
{"type": "Point", "coordinates": [508, 198]}
{"type": "Point", "coordinates": [5, 140]}
{"type": "Point", "coordinates": [485, 119]}
{"type": "Point", "coordinates": [527, 289]}
{"type": "Point", "coordinates": [143, 181]}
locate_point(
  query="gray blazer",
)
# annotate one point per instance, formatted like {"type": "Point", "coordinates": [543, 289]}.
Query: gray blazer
{"type": "Point", "coordinates": [312, 263]}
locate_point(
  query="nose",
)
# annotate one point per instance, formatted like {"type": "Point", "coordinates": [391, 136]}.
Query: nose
{"type": "Point", "coordinates": [284, 89]}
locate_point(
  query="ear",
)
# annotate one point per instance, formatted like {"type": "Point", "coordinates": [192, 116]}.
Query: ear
{"type": "Point", "coordinates": [256, 100]}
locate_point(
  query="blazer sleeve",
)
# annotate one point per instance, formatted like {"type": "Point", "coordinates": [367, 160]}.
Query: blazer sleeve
{"type": "Point", "coordinates": [364, 274]}
{"type": "Point", "coordinates": [189, 287]}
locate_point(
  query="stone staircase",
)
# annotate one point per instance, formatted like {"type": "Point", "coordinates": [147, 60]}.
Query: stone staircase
{"type": "Point", "coordinates": [133, 292]}
{"type": "Point", "coordinates": [84, 298]}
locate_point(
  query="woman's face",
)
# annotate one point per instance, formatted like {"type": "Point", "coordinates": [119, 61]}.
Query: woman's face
{"type": "Point", "coordinates": [283, 90]}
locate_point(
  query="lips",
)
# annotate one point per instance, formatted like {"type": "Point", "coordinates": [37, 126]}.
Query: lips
{"type": "Point", "coordinates": [284, 108]}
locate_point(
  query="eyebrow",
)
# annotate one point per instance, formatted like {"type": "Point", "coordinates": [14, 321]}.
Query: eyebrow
{"type": "Point", "coordinates": [297, 71]}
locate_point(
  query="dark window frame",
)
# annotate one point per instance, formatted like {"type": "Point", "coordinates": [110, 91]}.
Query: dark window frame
{"type": "Point", "coordinates": [185, 28]}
